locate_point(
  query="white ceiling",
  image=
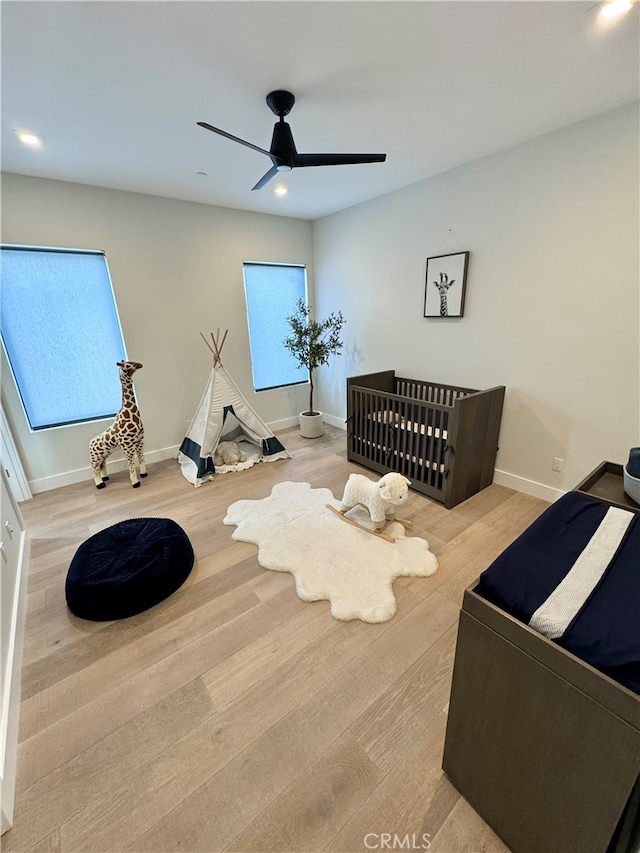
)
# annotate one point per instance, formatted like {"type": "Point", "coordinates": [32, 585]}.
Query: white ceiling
{"type": "Point", "coordinates": [116, 89]}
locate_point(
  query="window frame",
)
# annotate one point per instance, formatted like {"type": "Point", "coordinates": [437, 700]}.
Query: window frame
{"type": "Point", "coordinates": [247, 263]}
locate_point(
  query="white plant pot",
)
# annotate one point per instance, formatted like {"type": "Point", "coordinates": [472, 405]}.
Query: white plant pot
{"type": "Point", "coordinates": [311, 426]}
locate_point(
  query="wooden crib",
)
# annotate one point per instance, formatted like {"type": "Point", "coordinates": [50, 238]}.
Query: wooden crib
{"type": "Point", "coordinates": [444, 438]}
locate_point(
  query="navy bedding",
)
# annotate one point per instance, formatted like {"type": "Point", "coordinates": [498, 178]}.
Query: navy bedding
{"type": "Point", "coordinates": [533, 573]}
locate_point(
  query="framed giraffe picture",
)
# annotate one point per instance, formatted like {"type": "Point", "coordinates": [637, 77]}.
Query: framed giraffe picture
{"type": "Point", "coordinates": [445, 285]}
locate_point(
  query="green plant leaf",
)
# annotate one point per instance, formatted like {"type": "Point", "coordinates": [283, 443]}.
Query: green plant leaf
{"type": "Point", "coordinates": [312, 342]}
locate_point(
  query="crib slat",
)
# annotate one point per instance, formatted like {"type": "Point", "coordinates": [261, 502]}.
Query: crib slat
{"type": "Point", "coordinates": [434, 420]}
{"type": "Point", "coordinates": [403, 446]}
{"type": "Point", "coordinates": [360, 420]}
{"type": "Point", "coordinates": [411, 443]}
{"type": "Point", "coordinates": [369, 426]}
{"type": "Point", "coordinates": [377, 432]}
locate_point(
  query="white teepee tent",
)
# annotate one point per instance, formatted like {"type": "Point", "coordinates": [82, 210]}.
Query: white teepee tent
{"type": "Point", "coordinates": [223, 414]}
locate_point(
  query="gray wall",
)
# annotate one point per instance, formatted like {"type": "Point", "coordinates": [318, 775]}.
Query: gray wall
{"type": "Point", "coordinates": [176, 269]}
{"type": "Point", "coordinates": [552, 293]}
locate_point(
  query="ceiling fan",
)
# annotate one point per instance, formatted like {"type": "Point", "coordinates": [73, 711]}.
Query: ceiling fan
{"type": "Point", "coordinates": [283, 153]}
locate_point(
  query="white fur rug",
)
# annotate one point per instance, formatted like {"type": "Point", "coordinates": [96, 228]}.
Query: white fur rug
{"type": "Point", "coordinates": [330, 559]}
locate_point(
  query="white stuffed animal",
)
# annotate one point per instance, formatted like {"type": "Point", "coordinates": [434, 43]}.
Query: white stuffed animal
{"type": "Point", "coordinates": [381, 499]}
{"type": "Point", "coordinates": [228, 453]}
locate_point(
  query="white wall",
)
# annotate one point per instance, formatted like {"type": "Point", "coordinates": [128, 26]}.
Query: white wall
{"type": "Point", "coordinates": [552, 307]}
{"type": "Point", "coordinates": [176, 269]}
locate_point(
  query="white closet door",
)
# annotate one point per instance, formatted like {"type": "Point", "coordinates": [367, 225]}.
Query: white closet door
{"type": "Point", "coordinates": [13, 576]}
{"type": "Point", "coordinates": [17, 479]}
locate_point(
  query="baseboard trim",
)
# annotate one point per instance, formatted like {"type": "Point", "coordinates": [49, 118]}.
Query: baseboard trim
{"type": "Point", "coordinates": [285, 423]}
{"type": "Point", "coordinates": [293, 422]}
{"type": "Point", "coordinates": [117, 462]}
{"type": "Point", "coordinates": [334, 421]}
{"type": "Point", "coordinates": [528, 487]}
{"type": "Point", "coordinates": [66, 478]}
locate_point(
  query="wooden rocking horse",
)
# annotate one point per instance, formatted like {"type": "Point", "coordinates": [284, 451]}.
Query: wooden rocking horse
{"type": "Point", "coordinates": [380, 499]}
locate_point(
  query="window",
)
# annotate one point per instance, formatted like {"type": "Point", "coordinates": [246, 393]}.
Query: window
{"type": "Point", "coordinates": [272, 291]}
{"type": "Point", "coordinates": [61, 334]}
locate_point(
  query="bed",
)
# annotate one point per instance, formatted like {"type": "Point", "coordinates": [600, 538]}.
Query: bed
{"type": "Point", "coordinates": [444, 438]}
{"type": "Point", "coordinates": [543, 734]}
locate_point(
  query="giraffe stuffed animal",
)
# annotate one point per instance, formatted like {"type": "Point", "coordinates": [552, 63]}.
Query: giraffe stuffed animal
{"type": "Point", "coordinates": [126, 432]}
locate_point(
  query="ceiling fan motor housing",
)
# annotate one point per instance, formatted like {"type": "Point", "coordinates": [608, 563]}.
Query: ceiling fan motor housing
{"type": "Point", "coordinates": [283, 146]}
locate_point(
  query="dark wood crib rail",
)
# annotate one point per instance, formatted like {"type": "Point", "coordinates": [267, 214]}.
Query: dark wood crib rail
{"type": "Point", "coordinates": [444, 438]}
{"type": "Point", "coordinates": [430, 392]}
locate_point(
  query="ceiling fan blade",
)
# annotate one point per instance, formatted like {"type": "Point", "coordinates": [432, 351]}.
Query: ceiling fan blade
{"type": "Point", "coordinates": [273, 171]}
{"type": "Point", "coordinates": [233, 138]}
{"type": "Point", "coordinates": [336, 159]}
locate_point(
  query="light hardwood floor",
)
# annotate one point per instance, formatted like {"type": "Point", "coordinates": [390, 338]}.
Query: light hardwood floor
{"type": "Point", "coordinates": [233, 716]}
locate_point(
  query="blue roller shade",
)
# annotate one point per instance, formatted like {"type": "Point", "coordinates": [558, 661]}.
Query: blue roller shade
{"type": "Point", "coordinates": [271, 291]}
{"type": "Point", "coordinates": [61, 334]}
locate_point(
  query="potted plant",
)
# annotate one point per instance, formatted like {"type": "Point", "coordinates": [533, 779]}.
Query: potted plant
{"type": "Point", "coordinates": [311, 342]}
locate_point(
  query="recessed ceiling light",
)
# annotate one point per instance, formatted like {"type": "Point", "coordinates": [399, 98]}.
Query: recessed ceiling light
{"type": "Point", "coordinates": [615, 7]}
{"type": "Point", "coordinates": [281, 190]}
{"type": "Point", "coordinates": [30, 139]}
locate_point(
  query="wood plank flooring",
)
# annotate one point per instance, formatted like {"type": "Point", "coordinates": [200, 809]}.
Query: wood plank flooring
{"type": "Point", "coordinates": [233, 716]}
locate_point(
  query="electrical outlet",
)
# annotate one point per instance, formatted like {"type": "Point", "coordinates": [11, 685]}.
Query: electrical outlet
{"type": "Point", "coordinates": [558, 465]}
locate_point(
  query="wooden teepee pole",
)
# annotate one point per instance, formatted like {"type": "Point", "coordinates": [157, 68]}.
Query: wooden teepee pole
{"type": "Point", "coordinates": [216, 349]}
{"type": "Point", "coordinates": [207, 343]}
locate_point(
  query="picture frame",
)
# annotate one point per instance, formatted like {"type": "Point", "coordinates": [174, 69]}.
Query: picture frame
{"type": "Point", "coordinates": [445, 285]}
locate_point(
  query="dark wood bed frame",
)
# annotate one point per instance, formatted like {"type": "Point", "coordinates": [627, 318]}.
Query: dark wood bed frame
{"type": "Point", "coordinates": [543, 746]}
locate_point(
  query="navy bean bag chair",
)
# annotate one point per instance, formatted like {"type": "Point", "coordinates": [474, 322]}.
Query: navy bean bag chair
{"type": "Point", "coordinates": [127, 568]}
